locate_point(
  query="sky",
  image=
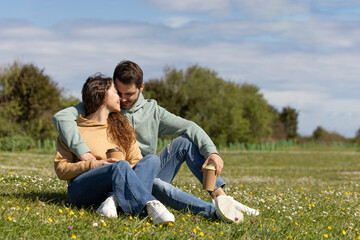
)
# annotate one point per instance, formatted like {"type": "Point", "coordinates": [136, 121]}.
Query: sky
{"type": "Point", "coordinates": [300, 53]}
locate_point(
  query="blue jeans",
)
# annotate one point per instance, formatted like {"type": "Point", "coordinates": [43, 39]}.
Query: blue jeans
{"type": "Point", "coordinates": [182, 149]}
{"type": "Point", "coordinates": [131, 186]}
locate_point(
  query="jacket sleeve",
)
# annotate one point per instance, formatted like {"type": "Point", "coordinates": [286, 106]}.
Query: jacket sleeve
{"type": "Point", "coordinates": [133, 156]}
{"type": "Point", "coordinates": [66, 164]}
{"type": "Point", "coordinates": [65, 124]}
{"type": "Point", "coordinates": [170, 124]}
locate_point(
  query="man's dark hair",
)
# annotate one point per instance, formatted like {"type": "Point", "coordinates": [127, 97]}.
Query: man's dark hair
{"type": "Point", "coordinates": [128, 72]}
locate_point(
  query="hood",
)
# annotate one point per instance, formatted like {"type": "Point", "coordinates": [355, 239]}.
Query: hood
{"type": "Point", "coordinates": [139, 103]}
{"type": "Point", "coordinates": [84, 122]}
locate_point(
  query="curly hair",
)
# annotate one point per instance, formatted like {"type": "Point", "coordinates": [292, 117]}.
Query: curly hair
{"type": "Point", "coordinates": [119, 130]}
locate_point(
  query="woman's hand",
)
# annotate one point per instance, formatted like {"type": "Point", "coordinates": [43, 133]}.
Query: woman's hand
{"type": "Point", "coordinates": [102, 162]}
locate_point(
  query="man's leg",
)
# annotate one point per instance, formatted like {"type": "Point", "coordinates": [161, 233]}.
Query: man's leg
{"type": "Point", "coordinates": [179, 150]}
{"type": "Point", "coordinates": [183, 149]}
{"type": "Point", "coordinates": [179, 200]}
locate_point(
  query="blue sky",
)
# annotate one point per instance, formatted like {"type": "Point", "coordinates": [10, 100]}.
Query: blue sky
{"type": "Point", "coordinates": [300, 53]}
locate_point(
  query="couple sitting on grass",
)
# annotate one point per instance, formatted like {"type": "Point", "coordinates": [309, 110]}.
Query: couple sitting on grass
{"type": "Point", "coordinates": [114, 114]}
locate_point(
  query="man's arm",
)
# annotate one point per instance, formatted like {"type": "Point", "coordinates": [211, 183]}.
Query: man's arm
{"type": "Point", "coordinates": [170, 124]}
{"type": "Point", "coordinates": [65, 124]}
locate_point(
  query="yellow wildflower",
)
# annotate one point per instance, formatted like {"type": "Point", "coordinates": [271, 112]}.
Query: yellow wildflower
{"type": "Point", "coordinates": [104, 224]}
{"type": "Point", "coordinates": [148, 224]}
{"type": "Point", "coordinates": [344, 232]}
{"type": "Point", "coordinates": [73, 237]}
{"type": "Point", "coordinates": [201, 234]}
{"type": "Point", "coordinates": [49, 219]}
{"type": "Point", "coordinates": [27, 208]}
{"type": "Point", "coordinates": [60, 211]}
{"type": "Point", "coordinates": [71, 213]}
{"type": "Point", "coordinates": [81, 213]}
{"type": "Point", "coordinates": [10, 218]}
{"type": "Point", "coordinates": [131, 218]}
{"type": "Point", "coordinates": [171, 224]}
{"type": "Point", "coordinates": [221, 232]}
{"type": "Point", "coordinates": [325, 235]}
{"type": "Point", "coordinates": [144, 229]}
{"type": "Point", "coordinates": [329, 227]}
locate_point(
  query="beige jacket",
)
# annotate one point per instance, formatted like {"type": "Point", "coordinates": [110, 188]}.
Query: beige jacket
{"type": "Point", "coordinates": [68, 165]}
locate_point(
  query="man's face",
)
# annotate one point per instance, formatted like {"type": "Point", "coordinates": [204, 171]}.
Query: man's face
{"type": "Point", "coordinates": [128, 93]}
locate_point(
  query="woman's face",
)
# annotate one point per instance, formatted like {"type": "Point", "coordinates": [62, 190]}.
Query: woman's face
{"type": "Point", "coordinates": [112, 100]}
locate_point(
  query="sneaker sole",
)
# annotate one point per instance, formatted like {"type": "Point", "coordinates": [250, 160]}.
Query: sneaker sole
{"type": "Point", "coordinates": [226, 209]}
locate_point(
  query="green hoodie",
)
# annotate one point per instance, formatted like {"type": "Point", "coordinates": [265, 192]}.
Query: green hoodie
{"type": "Point", "coordinates": [148, 119]}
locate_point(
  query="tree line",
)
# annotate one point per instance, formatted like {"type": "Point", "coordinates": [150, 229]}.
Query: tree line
{"type": "Point", "coordinates": [229, 112]}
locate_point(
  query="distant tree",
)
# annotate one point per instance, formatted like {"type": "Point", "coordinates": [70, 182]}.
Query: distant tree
{"type": "Point", "coordinates": [228, 112]}
{"type": "Point", "coordinates": [318, 133]}
{"type": "Point", "coordinates": [289, 117]}
{"type": "Point", "coordinates": [357, 135]}
{"type": "Point", "coordinates": [277, 126]}
{"type": "Point", "coordinates": [28, 99]}
{"type": "Point", "coordinates": [322, 135]}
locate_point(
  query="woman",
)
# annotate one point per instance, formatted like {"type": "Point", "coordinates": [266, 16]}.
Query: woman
{"type": "Point", "coordinates": [109, 182]}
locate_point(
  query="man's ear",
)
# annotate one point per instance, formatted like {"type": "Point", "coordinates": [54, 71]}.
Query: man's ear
{"type": "Point", "coordinates": [142, 87]}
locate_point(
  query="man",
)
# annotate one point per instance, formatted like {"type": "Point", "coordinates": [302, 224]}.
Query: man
{"type": "Point", "coordinates": [149, 120]}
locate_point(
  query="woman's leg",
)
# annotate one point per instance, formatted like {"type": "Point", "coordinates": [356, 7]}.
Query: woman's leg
{"type": "Point", "coordinates": [147, 169]}
{"type": "Point", "coordinates": [92, 187]}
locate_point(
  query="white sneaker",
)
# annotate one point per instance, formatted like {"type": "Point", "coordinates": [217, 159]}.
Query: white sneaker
{"type": "Point", "coordinates": [225, 209]}
{"type": "Point", "coordinates": [158, 212]}
{"type": "Point", "coordinates": [245, 209]}
{"type": "Point", "coordinates": [108, 207]}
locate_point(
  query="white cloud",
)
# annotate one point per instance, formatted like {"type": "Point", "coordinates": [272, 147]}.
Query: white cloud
{"type": "Point", "coordinates": [215, 7]}
{"type": "Point", "coordinates": [311, 66]}
{"type": "Point", "coordinates": [272, 8]}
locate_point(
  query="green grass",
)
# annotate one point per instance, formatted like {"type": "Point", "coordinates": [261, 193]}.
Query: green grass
{"type": "Point", "coordinates": [300, 195]}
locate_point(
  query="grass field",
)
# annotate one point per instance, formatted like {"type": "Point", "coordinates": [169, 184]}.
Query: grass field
{"type": "Point", "coordinates": [300, 195]}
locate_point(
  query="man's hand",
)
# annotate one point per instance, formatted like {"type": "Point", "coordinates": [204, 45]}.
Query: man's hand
{"type": "Point", "coordinates": [216, 160]}
{"type": "Point", "coordinates": [87, 157]}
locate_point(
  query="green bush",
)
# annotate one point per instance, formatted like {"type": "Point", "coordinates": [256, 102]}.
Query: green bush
{"type": "Point", "coordinates": [16, 143]}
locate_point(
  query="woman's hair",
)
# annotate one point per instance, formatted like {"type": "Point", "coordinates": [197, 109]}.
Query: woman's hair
{"type": "Point", "coordinates": [94, 93]}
